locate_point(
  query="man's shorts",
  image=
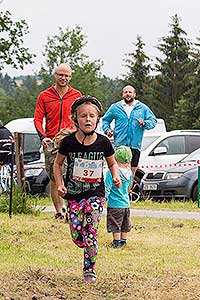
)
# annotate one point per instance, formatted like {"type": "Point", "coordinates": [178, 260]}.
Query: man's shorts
{"type": "Point", "coordinates": [135, 157]}
{"type": "Point", "coordinates": [118, 220]}
{"type": "Point", "coordinates": [49, 161]}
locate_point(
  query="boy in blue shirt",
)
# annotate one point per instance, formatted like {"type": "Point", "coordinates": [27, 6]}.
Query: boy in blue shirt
{"type": "Point", "coordinates": [118, 210]}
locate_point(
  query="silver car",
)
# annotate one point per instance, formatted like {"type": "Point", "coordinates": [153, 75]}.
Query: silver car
{"type": "Point", "coordinates": [178, 181]}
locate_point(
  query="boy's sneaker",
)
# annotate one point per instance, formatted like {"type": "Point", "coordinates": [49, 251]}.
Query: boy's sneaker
{"type": "Point", "coordinates": [117, 245]}
{"type": "Point", "coordinates": [89, 277]}
{"type": "Point", "coordinates": [122, 245]}
{"type": "Point", "coordinates": [59, 216]}
{"type": "Point", "coordinates": [114, 246]}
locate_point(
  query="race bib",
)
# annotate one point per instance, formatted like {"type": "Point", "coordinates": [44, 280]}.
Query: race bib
{"type": "Point", "coordinates": [86, 170]}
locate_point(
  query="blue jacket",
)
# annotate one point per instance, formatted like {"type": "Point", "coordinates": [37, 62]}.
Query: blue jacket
{"type": "Point", "coordinates": [127, 131]}
{"type": "Point", "coordinates": [118, 197]}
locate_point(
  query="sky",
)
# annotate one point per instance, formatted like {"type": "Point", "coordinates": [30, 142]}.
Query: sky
{"type": "Point", "coordinates": [111, 26]}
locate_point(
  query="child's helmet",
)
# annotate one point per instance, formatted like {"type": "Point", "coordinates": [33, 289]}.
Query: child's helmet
{"type": "Point", "coordinates": [123, 154]}
{"type": "Point", "coordinates": [86, 99]}
{"type": "Point", "coordinates": [82, 100]}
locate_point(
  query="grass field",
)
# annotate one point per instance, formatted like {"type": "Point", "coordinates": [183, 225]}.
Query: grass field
{"type": "Point", "coordinates": [39, 261]}
{"type": "Point", "coordinates": [144, 204]}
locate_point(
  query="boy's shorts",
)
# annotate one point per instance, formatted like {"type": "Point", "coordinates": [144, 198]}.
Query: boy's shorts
{"type": "Point", "coordinates": [118, 220]}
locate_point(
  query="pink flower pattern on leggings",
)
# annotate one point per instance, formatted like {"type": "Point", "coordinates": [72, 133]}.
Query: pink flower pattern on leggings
{"type": "Point", "coordinates": [84, 218]}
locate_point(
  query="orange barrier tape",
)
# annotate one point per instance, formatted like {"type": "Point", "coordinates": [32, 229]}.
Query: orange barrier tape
{"type": "Point", "coordinates": [196, 163]}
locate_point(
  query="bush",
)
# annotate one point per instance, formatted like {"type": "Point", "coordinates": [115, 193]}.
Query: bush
{"type": "Point", "coordinates": [22, 203]}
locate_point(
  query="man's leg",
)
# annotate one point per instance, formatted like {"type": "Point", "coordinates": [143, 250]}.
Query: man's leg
{"type": "Point", "coordinates": [134, 161]}
{"type": "Point", "coordinates": [57, 200]}
{"type": "Point", "coordinates": [133, 169]}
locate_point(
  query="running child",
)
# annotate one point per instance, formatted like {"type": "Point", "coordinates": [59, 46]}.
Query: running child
{"type": "Point", "coordinates": [84, 188]}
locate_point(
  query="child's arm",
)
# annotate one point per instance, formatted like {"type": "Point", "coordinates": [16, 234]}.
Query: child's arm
{"type": "Point", "coordinates": [131, 184]}
{"type": "Point", "coordinates": [57, 168]}
{"type": "Point", "coordinates": [113, 166]}
{"type": "Point", "coordinates": [108, 183]}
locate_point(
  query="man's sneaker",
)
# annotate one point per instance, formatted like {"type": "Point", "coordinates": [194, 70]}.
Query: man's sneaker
{"type": "Point", "coordinates": [59, 216]}
{"type": "Point", "coordinates": [89, 277]}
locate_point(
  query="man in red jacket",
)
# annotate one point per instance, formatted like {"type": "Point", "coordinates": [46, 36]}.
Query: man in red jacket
{"type": "Point", "coordinates": [54, 105]}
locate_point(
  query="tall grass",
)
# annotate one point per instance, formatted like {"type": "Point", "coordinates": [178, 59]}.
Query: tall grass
{"type": "Point", "coordinates": [21, 202]}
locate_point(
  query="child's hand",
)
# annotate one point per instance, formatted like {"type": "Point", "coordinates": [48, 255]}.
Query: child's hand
{"type": "Point", "coordinates": [62, 190]}
{"type": "Point", "coordinates": [117, 181]}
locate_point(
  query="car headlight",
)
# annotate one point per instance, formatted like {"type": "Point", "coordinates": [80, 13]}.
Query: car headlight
{"type": "Point", "coordinates": [32, 172]}
{"type": "Point", "coordinates": [173, 175]}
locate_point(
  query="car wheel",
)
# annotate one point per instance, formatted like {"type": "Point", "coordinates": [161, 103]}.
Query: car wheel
{"type": "Point", "coordinates": [195, 193]}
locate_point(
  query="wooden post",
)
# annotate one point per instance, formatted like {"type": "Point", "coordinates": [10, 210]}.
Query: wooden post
{"type": "Point", "coordinates": [19, 160]}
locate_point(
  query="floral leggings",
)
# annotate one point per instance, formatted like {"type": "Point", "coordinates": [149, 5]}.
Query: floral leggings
{"type": "Point", "coordinates": [84, 218]}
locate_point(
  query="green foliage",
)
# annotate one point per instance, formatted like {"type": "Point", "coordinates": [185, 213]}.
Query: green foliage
{"type": "Point", "coordinates": [175, 69]}
{"type": "Point", "coordinates": [138, 68]}
{"type": "Point", "coordinates": [32, 85]}
{"type": "Point", "coordinates": [12, 51]}
{"type": "Point", "coordinates": [67, 47]}
{"type": "Point", "coordinates": [85, 77]}
{"type": "Point", "coordinates": [182, 116]}
{"type": "Point", "coordinates": [8, 84]}
{"type": "Point", "coordinates": [21, 203]}
{"type": "Point", "coordinates": [64, 47]}
{"type": "Point", "coordinates": [21, 105]}
{"type": "Point", "coordinates": [109, 90]}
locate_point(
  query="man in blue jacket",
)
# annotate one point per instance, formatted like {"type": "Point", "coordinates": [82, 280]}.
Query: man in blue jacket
{"type": "Point", "coordinates": [131, 118]}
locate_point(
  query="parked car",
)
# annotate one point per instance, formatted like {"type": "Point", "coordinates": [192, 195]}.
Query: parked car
{"type": "Point", "coordinates": [169, 147]}
{"type": "Point", "coordinates": [180, 181]}
{"type": "Point", "coordinates": [37, 181]}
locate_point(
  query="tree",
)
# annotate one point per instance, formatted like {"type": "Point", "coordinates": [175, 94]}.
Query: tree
{"type": "Point", "coordinates": [8, 84]}
{"type": "Point", "coordinates": [174, 69]}
{"type": "Point", "coordinates": [32, 85]}
{"type": "Point", "coordinates": [67, 47]}
{"type": "Point", "coordinates": [138, 68]}
{"type": "Point", "coordinates": [193, 94]}
{"type": "Point", "coordinates": [181, 118]}
{"type": "Point", "coordinates": [12, 51]}
{"type": "Point", "coordinates": [21, 105]}
{"type": "Point", "coordinates": [109, 90]}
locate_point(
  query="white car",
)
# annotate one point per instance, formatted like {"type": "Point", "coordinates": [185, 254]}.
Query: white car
{"type": "Point", "coordinates": [34, 166]}
{"type": "Point", "coordinates": [151, 135]}
{"type": "Point", "coordinates": [170, 147]}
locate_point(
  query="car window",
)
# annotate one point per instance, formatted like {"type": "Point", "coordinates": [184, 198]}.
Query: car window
{"type": "Point", "coordinates": [193, 142]}
{"type": "Point", "coordinates": [31, 147]}
{"type": "Point", "coordinates": [174, 145]}
{"type": "Point", "coordinates": [195, 155]}
{"type": "Point", "coordinates": [148, 140]}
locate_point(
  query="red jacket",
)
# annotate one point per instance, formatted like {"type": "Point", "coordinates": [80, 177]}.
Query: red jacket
{"type": "Point", "coordinates": [55, 110]}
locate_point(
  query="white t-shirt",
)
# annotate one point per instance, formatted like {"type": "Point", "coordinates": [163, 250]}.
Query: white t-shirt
{"type": "Point", "coordinates": [128, 108]}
